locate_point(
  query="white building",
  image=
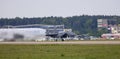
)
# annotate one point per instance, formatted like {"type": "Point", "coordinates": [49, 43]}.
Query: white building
{"type": "Point", "coordinates": [111, 36]}
{"type": "Point", "coordinates": [51, 30]}
{"type": "Point", "coordinates": [36, 34]}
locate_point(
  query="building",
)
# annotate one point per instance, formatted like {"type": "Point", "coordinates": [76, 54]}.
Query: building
{"type": "Point", "coordinates": [51, 30]}
{"type": "Point", "coordinates": [113, 29]}
{"type": "Point", "coordinates": [102, 23]}
{"type": "Point", "coordinates": [22, 34]}
{"type": "Point", "coordinates": [111, 36]}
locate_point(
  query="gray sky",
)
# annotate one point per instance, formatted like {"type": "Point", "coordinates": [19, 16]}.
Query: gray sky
{"type": "Point", "coordinates": [65, 8]}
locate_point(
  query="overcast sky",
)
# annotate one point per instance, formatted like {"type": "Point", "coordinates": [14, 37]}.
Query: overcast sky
{"type": "Point", "coordinates": [65, 8]}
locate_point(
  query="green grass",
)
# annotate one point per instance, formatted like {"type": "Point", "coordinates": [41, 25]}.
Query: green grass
{"type": "Point", "coordinates": [59, 51]}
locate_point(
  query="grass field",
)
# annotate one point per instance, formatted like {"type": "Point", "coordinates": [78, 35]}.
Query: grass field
{"type": "Point", "coordinates": [59, 51]}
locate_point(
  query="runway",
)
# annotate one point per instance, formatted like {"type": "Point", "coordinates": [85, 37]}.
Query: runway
{"type": "Point", "coordinates": [66, 42]}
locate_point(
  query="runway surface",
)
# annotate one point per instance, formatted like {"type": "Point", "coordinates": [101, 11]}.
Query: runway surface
{"type": "Point", "coordinates": [66, 42]}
